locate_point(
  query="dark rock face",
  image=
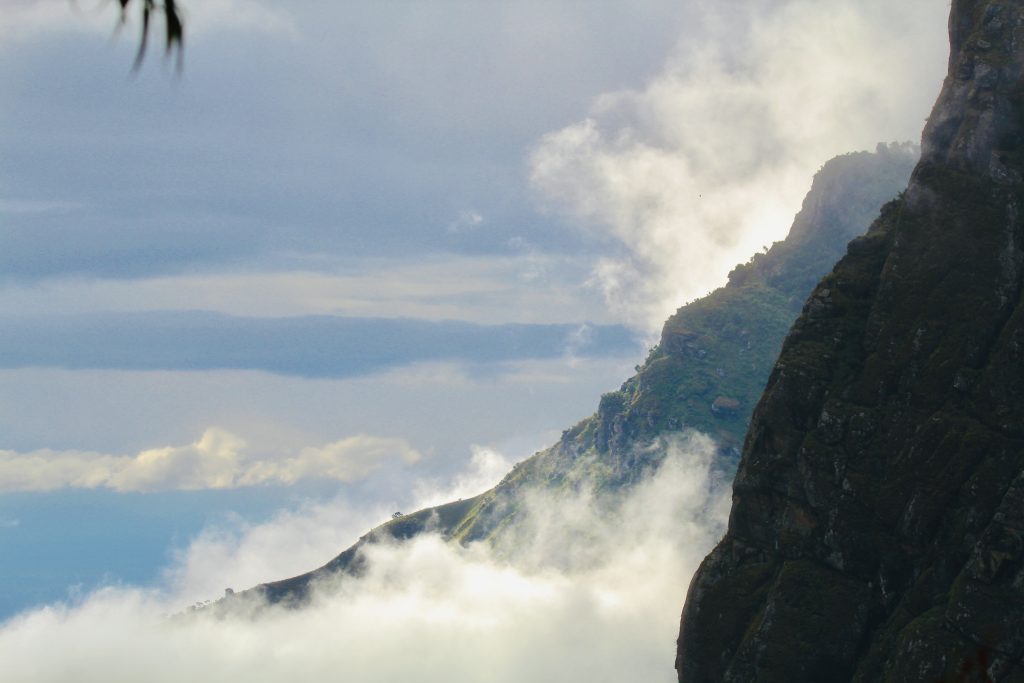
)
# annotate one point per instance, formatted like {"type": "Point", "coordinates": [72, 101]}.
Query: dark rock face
{"type": "Point", "coordinates": [877, 529]}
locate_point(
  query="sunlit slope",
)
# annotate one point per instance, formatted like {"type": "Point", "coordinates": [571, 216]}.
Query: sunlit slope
{"type": "Point", "coordinates": [706, 373]}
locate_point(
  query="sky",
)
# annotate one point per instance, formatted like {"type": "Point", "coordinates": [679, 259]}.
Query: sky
{"type": "Point", "coordinates": [359, 257]}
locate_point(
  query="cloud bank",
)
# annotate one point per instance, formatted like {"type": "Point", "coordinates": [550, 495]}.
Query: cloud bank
{"type": "Point", "coordinates": [532, 287]}
{"type": "Point", "coordinates": [218, 460]}
{"type": "Point", "coordinates": [427, 611]}
{"type": "Point", "coordinates": [709, 161]}
{"type": "Point", "coordinates": [307, 346]}
{"type": "Point", "coordinates": [517, 407]}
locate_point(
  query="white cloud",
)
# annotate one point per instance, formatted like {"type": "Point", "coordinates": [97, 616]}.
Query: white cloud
{"type": "Point", "coordinates": [236, 553]}
{"type": "Point", "coordinates": [427, 611]}
{"type": "Point", "coordinates": [218, 460]}
{"type": "Point", "coordinates": [486, 468]}
{"type": "Point", "coordinates": [466, 221]}
{"type": "Point", "coordinates": [709, 161]}
{"type": "Point", "coordinates": [349, 459]}
{"type": "Point", "coordinates": [440, 408]}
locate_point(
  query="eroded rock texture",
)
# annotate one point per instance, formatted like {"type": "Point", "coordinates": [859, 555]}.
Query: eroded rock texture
{"type": "Point", "coordinates": [877, 529]}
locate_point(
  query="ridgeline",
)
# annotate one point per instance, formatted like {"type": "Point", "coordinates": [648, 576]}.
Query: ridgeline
{"type": "Point", "coordinates": [706, 373]}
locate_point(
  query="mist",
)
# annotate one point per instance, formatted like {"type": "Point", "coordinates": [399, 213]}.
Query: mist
{"type": "Point", "coordinates": [709, 161]}
{"type": "Point", "coordinates": [605, 607]}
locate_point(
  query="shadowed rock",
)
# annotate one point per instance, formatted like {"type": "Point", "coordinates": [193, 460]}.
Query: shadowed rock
{"type": "Point", "coordinates": [878, 509]}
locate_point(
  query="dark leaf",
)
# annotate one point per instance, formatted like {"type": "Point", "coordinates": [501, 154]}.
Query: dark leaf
{"type": "Point", "coordinates": [147, 6]}
{"type": "Point", "coordinates": [175, 32]}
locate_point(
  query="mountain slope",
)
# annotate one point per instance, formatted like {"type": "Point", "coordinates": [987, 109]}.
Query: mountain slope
{"type": "Point", "coordinates": [878, 510]}
{"type": "Point", "coordinates": [706, 373]}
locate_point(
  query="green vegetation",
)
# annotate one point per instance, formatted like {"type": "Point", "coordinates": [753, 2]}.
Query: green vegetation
{"type": "Point", "coordinates": [706, 373]}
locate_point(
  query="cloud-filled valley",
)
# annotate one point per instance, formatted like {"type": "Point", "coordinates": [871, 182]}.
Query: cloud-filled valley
{"type": "Point", "coordinates": [427, 610]}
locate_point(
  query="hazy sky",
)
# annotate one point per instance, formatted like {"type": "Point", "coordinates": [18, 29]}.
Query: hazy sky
{"type": "Point", "coordinates": [201, 274]}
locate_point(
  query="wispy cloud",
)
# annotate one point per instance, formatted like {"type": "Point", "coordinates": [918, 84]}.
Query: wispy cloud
{"type": "Point", "coordinates": [532, 287]}
{"type": "Point", "coordinates": [708, 162]}
{"type": "Point", "coordinates": [469, 219]}
{"type": "Point", "coordinates": [486, 468]}
{"type": "Point", "coordinates": [427, 610]}
{"type": "Point", "coordinates": [218, 460]}
{"type": "Point", "coordinates": [438, 407]}
{"type": "Point", "coordinates": [308, 346]}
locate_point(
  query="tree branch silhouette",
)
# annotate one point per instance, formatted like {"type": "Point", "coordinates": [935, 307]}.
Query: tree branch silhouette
{"type": "Point", "coordinates": [174, 39]}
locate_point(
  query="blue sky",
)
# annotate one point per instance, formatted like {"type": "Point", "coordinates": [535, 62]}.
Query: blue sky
{"type": "Point", "coordinates": [350, 232]}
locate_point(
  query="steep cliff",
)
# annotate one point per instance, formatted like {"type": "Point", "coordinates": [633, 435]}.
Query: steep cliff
{"type": "Point", "coordinates": [706, 373]}
{"type": "Point", "coordinates": [877, 528]}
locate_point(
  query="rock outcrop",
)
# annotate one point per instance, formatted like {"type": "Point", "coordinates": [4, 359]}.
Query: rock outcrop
{"type": "Point", "coordinates": [877, 528]}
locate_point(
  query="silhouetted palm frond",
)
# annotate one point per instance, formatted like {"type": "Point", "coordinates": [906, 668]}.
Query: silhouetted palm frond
{"type": "Point", "coordinates": [175, 35]}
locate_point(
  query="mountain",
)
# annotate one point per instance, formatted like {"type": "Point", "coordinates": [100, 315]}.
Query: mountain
{"type": "Point", "coordinates": [706, 373]}
{"type": "Point", "coordinates": [877, 527]}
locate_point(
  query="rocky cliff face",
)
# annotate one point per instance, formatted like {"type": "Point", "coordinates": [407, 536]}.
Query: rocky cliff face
{"type": "Point", "coordinates": [877, 529]}
{"type": "Point", "coordinates": [706, 373]}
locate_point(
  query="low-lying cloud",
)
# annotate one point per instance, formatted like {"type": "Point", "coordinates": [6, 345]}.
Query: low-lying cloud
{"type": "Point", "coordinates": [426, 611]}
{"type": "Point", "coordinates": [709, 162]}
{"type": "Point", "coordinates": [218, 460]}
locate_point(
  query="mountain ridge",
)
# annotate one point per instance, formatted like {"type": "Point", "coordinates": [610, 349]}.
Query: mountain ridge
{"type": "Point", "coordinates": [706, 372]}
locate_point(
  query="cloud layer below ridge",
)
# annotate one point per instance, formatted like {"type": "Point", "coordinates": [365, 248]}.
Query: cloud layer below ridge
{"type": "Point", "coordinates": [427, 610]}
